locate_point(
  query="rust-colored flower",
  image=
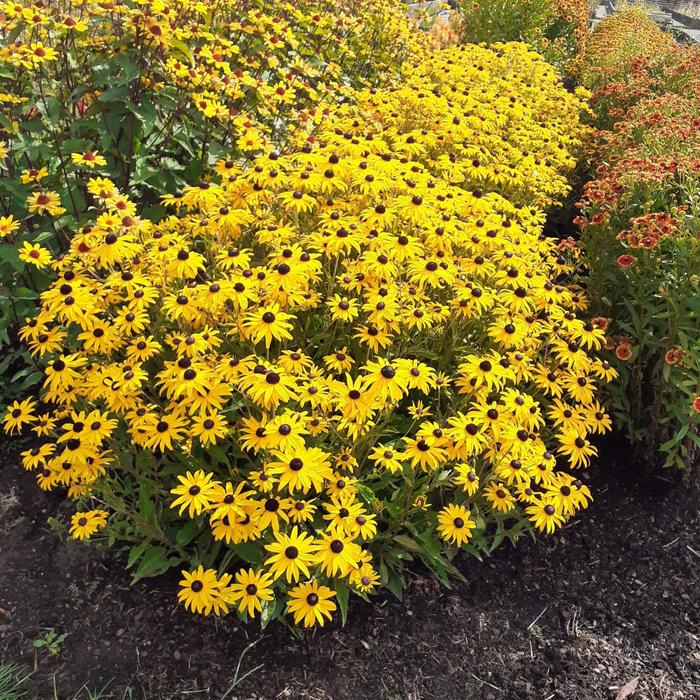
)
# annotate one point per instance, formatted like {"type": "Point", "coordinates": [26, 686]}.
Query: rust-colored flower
{"type": "Point", "coordinates": [626, 260]}
{"type": "Point", "coordinates": [674, 356]}
{"type": "Point", "coordinates": [623, 352]}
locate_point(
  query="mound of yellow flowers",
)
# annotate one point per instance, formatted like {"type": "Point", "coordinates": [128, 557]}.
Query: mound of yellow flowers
{"type": "Point", "coordinates": [334, 358]}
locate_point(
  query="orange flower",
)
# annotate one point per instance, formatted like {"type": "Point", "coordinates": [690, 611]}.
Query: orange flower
{"type": "Point", "coordinates": [623, 352]}
{"type": "Point", "coordinates": [674, 356]}
{"type": "Point", "coordinates": [626, 260]}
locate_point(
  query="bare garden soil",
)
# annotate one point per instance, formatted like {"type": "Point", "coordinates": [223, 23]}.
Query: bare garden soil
{"type": "Point", "coordinates": [612, 598]}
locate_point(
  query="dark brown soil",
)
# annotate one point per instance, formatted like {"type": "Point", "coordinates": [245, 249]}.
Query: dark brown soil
{"type": "Point", "coordinates": [615, 596]}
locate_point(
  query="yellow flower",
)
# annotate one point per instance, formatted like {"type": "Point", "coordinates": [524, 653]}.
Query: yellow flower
{"type": "Point", "coordinates": [8, 225]}
{"type": "Point", "coordinates": [17, 414]}
{"type": "Point", "coordinates": [195, 493]}
{"type": "Point", "coordinates": [545, 516]}
{"type": "Point", "coordinates": [311, 604]}
{"type": "Point", "coordinates": [45, 203]}
{"type": "Point", "coordinates": [200, 590]}
{"type": "Point", "coordinates": [250, 590]}
{"type": "Point", "coordinates": [292, 555]}
{"type": "Point", "coordinates": [268, 324]}
{"type": "Point", "coordinates": [32, 175]}
{"type": "Point", "coordinates": [34, 254]}
{"type": "Point", "coordinates": [89, 159]}
{"type": "Point", "coordinates": [455, 524]}
{"type": "Point", "coordinates": [84, 525]}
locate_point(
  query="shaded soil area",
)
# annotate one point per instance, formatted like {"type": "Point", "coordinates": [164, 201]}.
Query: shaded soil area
{"type": "Point", "coordinates": [613, 597]}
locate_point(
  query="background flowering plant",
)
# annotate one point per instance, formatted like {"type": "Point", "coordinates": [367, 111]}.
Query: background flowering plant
{"type": "Point", "coordinates": [641, 238]}
{"type": "Point", "coordinates": [555, 28]}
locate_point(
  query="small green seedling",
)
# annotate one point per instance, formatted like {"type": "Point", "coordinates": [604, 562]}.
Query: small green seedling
{"type": "Point", "coordinates": [51, 642]}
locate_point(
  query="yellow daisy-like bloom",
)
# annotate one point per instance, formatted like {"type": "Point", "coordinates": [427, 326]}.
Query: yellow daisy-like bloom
{"type": "Point", "coordinates": [364, 578]}
{"type": "Point", "coordinates": [45, 203]}
{"type": "Point", "coordinates": [311, 604]}
{"type": "Point", "coordinates": [292, 555]}
{"type": "Point", "coordinates": [84, 525]}
{"type": "Point", "coordinates": [89, 159]}
{"type": "Point", "coordinates": [545, 516]}
{"type": "Point", "coordinates": [301, 469]}
{"type": "Point", "coordinates": [37, 456]}
{"type": "Point", "coordinates": [337, 555]}
{"type": "Point", "coordinates": [199, 590]}
{"type": "Point", "coordinates": [466, 478]}
{"type": "Point", "coordinates": [250, 590]}
{"type": "Point", "coordinates": [34, 254]}
{"type": "Point", "coordinates": [18, 414]}
{"type": "Point", "coordinates": [8, 225]}
{"type": "Point", "coordinates": [33, 175]}
{"type": "Point", "coordinates": [196, 492]}
{"type": "Point", "coordinates": [499, 497]}
{"type": "Point", "coordinates": [576, 447]}
{"type": "Point", "coordinates": [455, 524]}
{"type": "Point", "coordinates": [268, 324]}
{"type": "Point", "coordinates": [210, 427]}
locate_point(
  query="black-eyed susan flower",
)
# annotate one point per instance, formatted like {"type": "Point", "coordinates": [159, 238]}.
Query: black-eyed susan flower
{"type": "Point", "coordinates": [499, 497]}
{"type": "Point", "coordinates": [576, 447]}
{"type": "Point", "coordinates": [84, 525]}
{"type": "Point", "coordinates": [300, 469]}
{"type": "Point", "coordinates": [195, 492]}
{"type": "Point", "coordinates": [545, 516]}
{"type": "Point", "coordinates": [455, 524]}
{"type": "Point", "coordinates": [336, 553]}
{"type": "Point", "coordinates": [466, 478]}
{"type": "Point", "coordinates": [292, 554]}
{"type": "Point", "coordinates": [251, 589]}
{"type": "Point", "coordinates": [18, 414]}
{"type": "Point", "coordinates": [311, 604]}
{"type": "Point", "coordinates": [199, 590]}
{"type": "Point", "coordinates": [365, 578]}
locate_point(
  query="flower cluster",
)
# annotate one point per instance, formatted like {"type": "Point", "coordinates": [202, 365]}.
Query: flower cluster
{"type": "Point", "coordinates": [648, 230]}
{"type": "Point", "coordinates": [151, 95]}
{"type": "Point", "coordinates": [620, 44]}
{"type": "Point", "coordinates": [641, 234]}
{"type": "Point", "coordinates": [336, 357]}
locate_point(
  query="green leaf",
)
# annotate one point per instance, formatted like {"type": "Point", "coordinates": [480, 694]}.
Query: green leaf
{"type": "Point", "coordinates": [24, 294]}
{"type": "Point", "coordinates": [9, 254]}
{"type": "Point", "coordinates": [249, 552]}
{"type": "Point", "coordinates": [135, 553]}
{"type": "Point", "coordinates": [407, 543]}
{"type": "Point", "coordinates": [187, 533]}
{"type": "Point", "coordinates": [271, 610]}
{"type": "Point", "coordinates": [342, 595]}
{"type": "Point", "coordinates": [155, 561]}
{"type": "Point", "coordinates": [146, 506]}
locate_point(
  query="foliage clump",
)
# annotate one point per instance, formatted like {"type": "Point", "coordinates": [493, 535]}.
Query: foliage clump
{"type": "Point", "coordinates": [641, 234]}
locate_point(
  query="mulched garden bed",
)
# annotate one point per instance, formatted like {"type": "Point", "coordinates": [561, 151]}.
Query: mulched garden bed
{"type": "Point", "coordinates": [613, 597]}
